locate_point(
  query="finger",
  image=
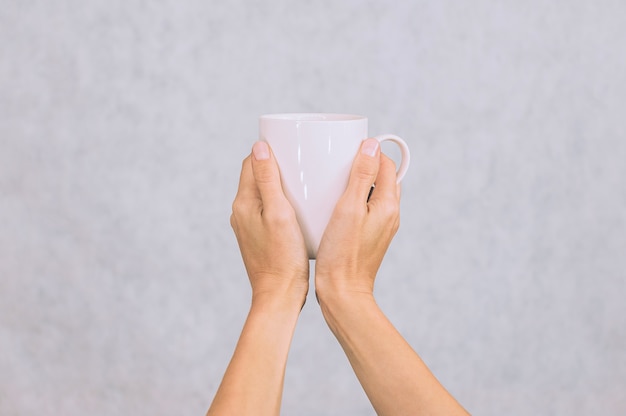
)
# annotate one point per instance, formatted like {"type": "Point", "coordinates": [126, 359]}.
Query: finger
{"type": "Point", "coordinates": [266, 175]}
{"type": "Point", "coordinates": [386, 181]}
{"type": "Point", "coordinates": [385, 201]}
{"type": "Point", "coordinates": [247, 200]}
{"type": "Point", "coordinates": [364, 170]}
{"type": "Point", "coordinates": [247, 186]}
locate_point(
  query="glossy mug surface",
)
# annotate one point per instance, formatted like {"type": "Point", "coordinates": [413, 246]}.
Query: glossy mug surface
{"type": "Point", "coordinates": [314, 152]}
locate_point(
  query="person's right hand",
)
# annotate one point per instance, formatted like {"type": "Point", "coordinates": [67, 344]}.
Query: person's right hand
{"type": "Point", "coordinates": [359, 231]}
{"type": "Point", "coordinates": [394, 377]}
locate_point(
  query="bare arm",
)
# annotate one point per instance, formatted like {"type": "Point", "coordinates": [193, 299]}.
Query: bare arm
{"type": "Point", "coordinates": [253, 382]}
{"type": "Point", "coordinates": [395, 379]}
{"type": "Point", "coordinates": [277, 264]}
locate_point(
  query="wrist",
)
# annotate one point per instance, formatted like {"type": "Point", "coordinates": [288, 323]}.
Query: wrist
{"type": "Point", "coordinates": [278, 315]}
{"type": "Point", "coordinates": [342, 308]}
{"type": "Point", "coordinates": [283, 291]}
{"type": "Point", "coordinates": [335, 289]}
{"type": "Point", "coordinates": [281, 302]}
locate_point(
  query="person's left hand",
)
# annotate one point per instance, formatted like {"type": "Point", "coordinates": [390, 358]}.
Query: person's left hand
{"type": "Point", "coordinates": [269, 237]}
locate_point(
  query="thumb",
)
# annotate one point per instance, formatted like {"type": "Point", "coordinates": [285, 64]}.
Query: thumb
{"type": "Point", "coordinates": [364, 170]}
{"type": "Point", "coordinates": [266, 174]}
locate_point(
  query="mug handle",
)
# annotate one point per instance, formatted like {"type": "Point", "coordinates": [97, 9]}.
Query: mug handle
{"type": "Point", "coordinates": [404, 148]}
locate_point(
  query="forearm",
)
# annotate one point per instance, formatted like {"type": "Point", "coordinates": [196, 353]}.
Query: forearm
{"type": "Point", "coordinates": [395, 379]}
{"type": "Point", "coordinates": [253, 382]}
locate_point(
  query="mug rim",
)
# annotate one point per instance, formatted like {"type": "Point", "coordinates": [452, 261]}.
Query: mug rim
{"type": "Point", "coordinates": [313, 117]}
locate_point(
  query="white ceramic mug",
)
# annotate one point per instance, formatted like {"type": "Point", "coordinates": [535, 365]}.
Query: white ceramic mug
{"type": "Point", "coordinates": [315, 154]}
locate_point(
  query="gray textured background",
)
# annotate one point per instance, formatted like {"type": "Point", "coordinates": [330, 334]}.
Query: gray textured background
{"type": "Point", "coordinates": [122, 128]}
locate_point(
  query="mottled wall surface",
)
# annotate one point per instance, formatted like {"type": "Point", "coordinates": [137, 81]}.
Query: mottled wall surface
{"type": "Point", "coordinates": [122, 129]}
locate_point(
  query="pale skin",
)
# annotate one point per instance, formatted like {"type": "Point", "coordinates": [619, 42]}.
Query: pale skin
{"type": "Point", "coordinates": [395, 379]}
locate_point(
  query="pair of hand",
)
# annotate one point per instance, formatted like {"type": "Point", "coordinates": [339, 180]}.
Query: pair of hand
{"type": "Point", "coordinates": [354, 242]}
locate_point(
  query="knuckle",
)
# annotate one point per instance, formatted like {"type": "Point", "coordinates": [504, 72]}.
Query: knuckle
{"type": "Point", "coordinates": [236, 208]}
{"type": "Point", "coordinates": [279, 216]}
{"type": "Point", "coordinates": [240, 208]}
{"type": "Point", "coordinates": [365, 171]}
{"type": "Point", "coordinates": [345, 207]}
{"type": "Point", "coordinates": [347, 210]}
{"type": "Point", "coordinates": [396, 225]}
{"type": "Point", "coordinates": [389, 209]}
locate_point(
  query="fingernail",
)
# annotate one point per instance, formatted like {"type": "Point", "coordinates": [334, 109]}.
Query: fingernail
{"type": "Point", "coordinates": [261, 151]}
{"type": "Point", "coordinates": [370, 147]}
